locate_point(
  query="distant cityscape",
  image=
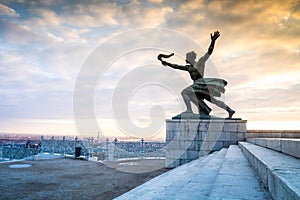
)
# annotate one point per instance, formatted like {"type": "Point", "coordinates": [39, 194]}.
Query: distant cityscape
{"type": "Point", "coordinates": [16, 146]}
{"type": "Point", "coordinates": [21, 137]}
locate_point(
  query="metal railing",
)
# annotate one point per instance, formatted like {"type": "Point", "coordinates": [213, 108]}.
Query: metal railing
{"type": "Point", "coordinates": [12, 152]}
{"type": "Point", "coordinates": [116, 150]}
{"type": "Point", "coordinates": [106, 150]}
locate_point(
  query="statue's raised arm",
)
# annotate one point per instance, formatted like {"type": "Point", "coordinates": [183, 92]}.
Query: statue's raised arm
{"type": "Point", "coordinates": [213, 38]}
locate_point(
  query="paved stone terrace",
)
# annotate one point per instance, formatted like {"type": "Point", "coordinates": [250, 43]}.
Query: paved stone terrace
{"type": "Point", "coordinates": [66, 178]}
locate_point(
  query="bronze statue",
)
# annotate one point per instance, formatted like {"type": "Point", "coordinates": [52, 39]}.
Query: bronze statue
{"type": "Point", "coordinates": [202, 88]}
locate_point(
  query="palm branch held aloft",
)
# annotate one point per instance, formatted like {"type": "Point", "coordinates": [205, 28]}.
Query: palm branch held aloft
{"type": "Point", "coordinates": [202, 88]}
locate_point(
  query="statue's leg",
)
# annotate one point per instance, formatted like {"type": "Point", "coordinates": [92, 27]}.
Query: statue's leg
{"type": "Point", "coordinates": [203, 107]}
{"type": "Point", "coordinates": [190, 96]}
{"type": "Point", "coordinates": [221, 104]}
{"type": "Point", "coordinates": [187, 94]}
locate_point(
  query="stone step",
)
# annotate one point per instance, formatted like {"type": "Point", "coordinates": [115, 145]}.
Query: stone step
{"type": "Point", "coordinates": [280, 173]}
{"type": "Point", "coordinates": [237, 179]}
{"type": "Point", "coordinates": [285, 145]}
{"type": "Point", "coordinates": [193, 180]}
{"type": "Point", "coordinates": [201, 183]}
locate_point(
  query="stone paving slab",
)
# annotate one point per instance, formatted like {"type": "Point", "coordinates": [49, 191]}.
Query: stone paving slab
{"type": "Point", "coordinates": [279, 172]}
{"type": "Point", "coordinates": [69, 179]}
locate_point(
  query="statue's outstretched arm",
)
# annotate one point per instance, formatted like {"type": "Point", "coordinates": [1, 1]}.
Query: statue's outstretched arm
{"type": "Point", "coordinates": [175, 66]}
{"type": "Point", "coordinates": [213, 40]}
{"type": "Point", "coordinates": [165, 63]}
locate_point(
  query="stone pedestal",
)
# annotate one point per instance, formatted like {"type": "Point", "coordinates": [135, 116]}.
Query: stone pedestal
{"type": "Point", "coordinates": [189, 139]}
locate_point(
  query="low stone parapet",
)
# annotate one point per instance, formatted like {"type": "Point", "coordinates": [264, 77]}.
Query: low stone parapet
{"type": "Point", "coordinates": [285, 145]}
{"type": "Point", "coordinates": [273, 134]}
{"type": "Point", "coordinates": [278, 172]}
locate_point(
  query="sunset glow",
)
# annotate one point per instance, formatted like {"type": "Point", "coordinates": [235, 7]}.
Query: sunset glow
{"type": "Point", "coordinates": [44, 45]}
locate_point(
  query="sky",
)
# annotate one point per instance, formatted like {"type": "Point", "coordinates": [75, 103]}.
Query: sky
{"type": "Point", "coordinates": [83, 67]}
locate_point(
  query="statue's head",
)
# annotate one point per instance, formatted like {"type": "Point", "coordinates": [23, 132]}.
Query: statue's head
{"type": "Point", "coordinates": [190, 57]}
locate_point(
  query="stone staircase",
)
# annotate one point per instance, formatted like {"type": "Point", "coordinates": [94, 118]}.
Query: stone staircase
{"type": "Point", "coordinates": [225, 174]}
{"type": "Point", "coordinates": [260, 168]}
{"type": "Point", "coordinates": [237, 179]}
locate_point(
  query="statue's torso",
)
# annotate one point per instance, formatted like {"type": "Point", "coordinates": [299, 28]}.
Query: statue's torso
{"type": "Point", "coordinates": [196, 73]}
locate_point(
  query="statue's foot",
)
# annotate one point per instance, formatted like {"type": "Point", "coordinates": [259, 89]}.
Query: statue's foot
{"type": "Point", "coordinates": [188, 114]}
{"type": "Point", "coordinates": [188, 111]}
{"type": "Point", "coordinates": [231, 112]}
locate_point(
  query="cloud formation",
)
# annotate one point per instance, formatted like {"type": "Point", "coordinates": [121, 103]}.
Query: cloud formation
{"type": "Point", "coordinates": [45, 44]}
{"type": "Point", "coordinates": [7, 11]}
